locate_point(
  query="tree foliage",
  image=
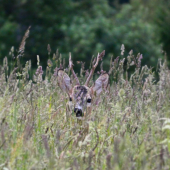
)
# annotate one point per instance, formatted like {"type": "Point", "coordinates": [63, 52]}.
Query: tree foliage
{"type": "Point", "coordinates": [163, 24]}
{"type": "Point", "coordinates": [81, 27]}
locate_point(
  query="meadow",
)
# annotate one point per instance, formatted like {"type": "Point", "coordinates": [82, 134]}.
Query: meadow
{"type": "Point", "coordinates": [129, 127]}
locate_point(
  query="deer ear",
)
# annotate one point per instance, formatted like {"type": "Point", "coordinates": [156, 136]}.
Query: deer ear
{"type": "Point", "coordinates": [64, 81]}
{"type": "Point", "coordinates": [100, 84]}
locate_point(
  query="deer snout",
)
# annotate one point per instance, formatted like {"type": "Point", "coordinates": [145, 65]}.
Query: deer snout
{"type": "Point", "coordinates": [78, 112]}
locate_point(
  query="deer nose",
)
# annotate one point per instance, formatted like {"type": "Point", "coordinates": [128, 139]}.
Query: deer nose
{"type": "Point", "coordinates": [78, 112]}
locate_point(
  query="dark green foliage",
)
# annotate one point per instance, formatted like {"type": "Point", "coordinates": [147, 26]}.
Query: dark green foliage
{"type": "Point", "coordinates": [82, 27]}
{"type": "Point", "coordinates": [163, 22]}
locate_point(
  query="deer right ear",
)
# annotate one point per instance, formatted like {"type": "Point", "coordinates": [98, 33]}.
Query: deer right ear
{"type": "Point", "coordinates": [64, 81]}
{"type": "Point", "coordinates": [100, 84]}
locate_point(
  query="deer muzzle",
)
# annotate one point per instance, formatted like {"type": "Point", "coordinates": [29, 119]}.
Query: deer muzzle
{"type": "Point", "coordinates": [78, 112]}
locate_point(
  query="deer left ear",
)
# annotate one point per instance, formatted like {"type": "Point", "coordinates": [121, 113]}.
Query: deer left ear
{"type": "Point", "coordinates": [100, 84]}
{"type": "Point", "coordinates": [64, 81]}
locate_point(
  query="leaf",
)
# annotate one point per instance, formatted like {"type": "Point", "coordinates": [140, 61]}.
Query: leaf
{"type": "Point", "coordinates": [166, 127]}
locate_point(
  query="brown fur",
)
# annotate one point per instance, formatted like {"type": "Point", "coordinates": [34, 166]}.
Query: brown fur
{"type": "Point", "coordinates": [81, 96]}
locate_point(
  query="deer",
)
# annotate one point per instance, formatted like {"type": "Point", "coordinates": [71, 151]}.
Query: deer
{"type": "Point", "coordinates": [80, 96]}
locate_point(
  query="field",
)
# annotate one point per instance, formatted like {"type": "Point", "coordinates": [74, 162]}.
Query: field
{"type": "Point", "coordinates": [129, 127]}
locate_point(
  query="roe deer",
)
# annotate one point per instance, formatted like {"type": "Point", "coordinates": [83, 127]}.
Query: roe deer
{"type": "Point", "coordinates": [81, 96]}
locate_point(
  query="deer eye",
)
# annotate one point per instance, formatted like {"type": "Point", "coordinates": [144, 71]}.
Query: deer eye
{"type": "Point", "coordinates": [88, 100]}
{"type": "Point", "coordinates": [70, 99]}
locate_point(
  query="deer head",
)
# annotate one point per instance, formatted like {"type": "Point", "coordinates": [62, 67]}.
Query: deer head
{"type": "Point", "coordinates": [81, 96]}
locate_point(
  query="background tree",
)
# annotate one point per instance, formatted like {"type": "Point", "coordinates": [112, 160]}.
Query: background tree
{"type": "Point", "coordinates": [85, 28]}
{"type": "Point", "coordinates": [163, 25]}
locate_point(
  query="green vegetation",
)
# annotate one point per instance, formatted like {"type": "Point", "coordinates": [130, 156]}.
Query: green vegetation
{"type": "Point", "coordinates": [128, 129]}
{"type": "Point", "coordinates": [85, 28]}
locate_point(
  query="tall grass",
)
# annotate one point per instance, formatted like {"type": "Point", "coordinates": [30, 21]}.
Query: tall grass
{"type": "Point", "coordinates": [129, 124]}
